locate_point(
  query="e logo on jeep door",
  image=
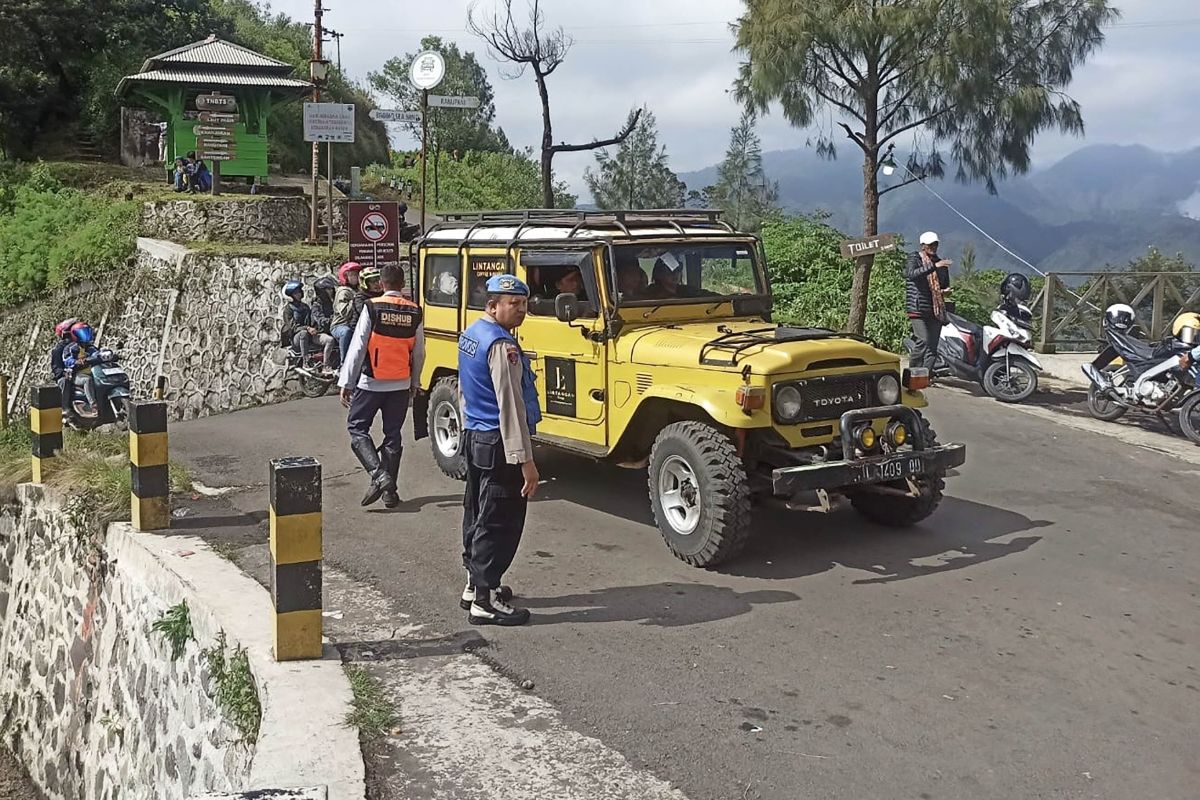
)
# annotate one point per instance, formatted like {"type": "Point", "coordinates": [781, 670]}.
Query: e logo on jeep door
{"type": "Point", "coordinates": [560, 387]}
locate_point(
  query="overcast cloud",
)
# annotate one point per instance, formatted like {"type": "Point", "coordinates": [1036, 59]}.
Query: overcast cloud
{"type": "Point", "coordinates": [675, 56]}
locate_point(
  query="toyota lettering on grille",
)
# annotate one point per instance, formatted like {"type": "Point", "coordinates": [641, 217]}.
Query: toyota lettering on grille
{"type": "Point", "coordinates": [824, 402]}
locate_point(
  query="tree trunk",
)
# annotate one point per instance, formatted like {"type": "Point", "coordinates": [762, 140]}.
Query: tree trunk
{"type": "Point", "coordinates": [862, 267]}
{"type": "Point", "coordinates": [547, 144]}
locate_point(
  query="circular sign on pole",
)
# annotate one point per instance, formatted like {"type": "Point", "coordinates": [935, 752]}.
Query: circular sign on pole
{"type": "Point", "coordinates": [375, 226]}
{"type": "Point", "coordinates": [427, 69]}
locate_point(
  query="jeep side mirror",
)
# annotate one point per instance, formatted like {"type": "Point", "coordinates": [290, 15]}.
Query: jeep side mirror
{"type": "Point", "coordinates": [566, 307]}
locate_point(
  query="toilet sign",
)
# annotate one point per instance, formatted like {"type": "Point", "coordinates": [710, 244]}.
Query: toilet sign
{"type": "Point", "coordinates": [869, 245]}
{"type": "Point", "coordinates": [374, 233]}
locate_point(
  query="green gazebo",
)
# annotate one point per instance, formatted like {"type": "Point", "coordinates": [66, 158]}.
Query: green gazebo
{"type": "Point", "coordinates": [224, 90]}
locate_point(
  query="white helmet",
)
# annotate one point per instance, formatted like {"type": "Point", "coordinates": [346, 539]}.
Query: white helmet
{"type": "Point", "coordinates": [1119, 317]}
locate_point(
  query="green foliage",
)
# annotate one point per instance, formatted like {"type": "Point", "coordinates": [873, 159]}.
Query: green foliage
{"type": "Point", "coordinates": [372, 712]}
{"type": "Point", "coordinates": [810, 280]}
{"type": "Point", "coordinates": [449, 129]}
{"type": "Point", "coordinates": [481, 181]}
{"type": "Point", "coordinates": [51, 235]}
{"type": "Point", "coordinates": [233, 687]}
{"type": "Point", "coordinates": [742, 190]}
{"type": "Point", "coordinates": [175, 625]}
{"type": "Point", "coordinates": [638, 175]}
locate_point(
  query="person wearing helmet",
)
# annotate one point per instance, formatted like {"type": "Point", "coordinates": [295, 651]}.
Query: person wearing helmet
{"type": "Point", "coordinates": [1186, 328]}
{"type": "Point", "coordinates": [382, 369]}
{"type": "Point", "coordinates": [927, 283]}
{"type": "Point", "coordinates": [344, 316]}
{"type": "Point", "coordinates": [297, 328]}
{"type": "Point", "coordinates": [58, 370]}
{"type": "Point", "coordinates": [322, 311]}
{"type": "Point", "coordinates": [80, 353]}
{"type": "Point", "coordinates": [368, 287]}
{"type": "Point", "coordinates": [1121, 319]}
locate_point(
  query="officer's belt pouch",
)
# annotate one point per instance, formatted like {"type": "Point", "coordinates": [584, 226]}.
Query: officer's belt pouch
{"type": "Point", "coordinates": [486, 450]}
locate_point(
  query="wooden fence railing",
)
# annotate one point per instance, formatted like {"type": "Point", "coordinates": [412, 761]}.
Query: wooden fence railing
{"type": "Point", "coordinates": [1071, 305]}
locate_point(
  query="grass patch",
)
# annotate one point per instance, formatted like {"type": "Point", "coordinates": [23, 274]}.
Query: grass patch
{"type": "Point", "coordinates": [233, 687]}
{"type": "Point", "coordinates": [180, 478]}
{"type": "Point", "coordinates": [373, 713]}
{"type": "Point", "coordinates": [175, 625]}
{"type": "Point", "coordinates": [279, 252]}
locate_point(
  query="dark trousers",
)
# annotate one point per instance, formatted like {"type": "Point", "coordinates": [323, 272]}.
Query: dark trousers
{"type": "Point", "coordinates": [927, 332]}
{"type": "Point", "coordinates": [66, 386]}
{"type": "Point", "coordinates": [364, 406]}
{"type": "Point", "coordinates": [493, 509]}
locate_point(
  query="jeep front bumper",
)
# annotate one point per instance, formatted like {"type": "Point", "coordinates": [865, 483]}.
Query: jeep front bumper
{"type": "Point", "coordinates": [855, 470]}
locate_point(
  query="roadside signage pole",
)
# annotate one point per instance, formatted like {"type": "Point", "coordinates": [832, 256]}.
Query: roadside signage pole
{"type": "Point", "coordinates": [329, 193]}
{"type": "Point", "coordinates": [424, 150]}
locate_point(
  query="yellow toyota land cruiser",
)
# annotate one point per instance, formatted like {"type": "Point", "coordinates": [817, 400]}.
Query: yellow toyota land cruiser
{"type": "Point", "coordinates": [651, 336]}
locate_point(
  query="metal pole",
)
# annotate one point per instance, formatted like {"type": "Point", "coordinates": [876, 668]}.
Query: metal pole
{"type": "Point", "coordinates": [329, 192]}
{"type": "Point", "coordinates": [424, 150]}
{"type": "Point", "coordinates": [318, 35]}
{"type": "Point", "coordinates": [3, 401]}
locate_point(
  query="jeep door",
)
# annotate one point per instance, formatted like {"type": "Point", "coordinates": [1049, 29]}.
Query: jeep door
{"type": "Point", "coordinates": [570, 365]}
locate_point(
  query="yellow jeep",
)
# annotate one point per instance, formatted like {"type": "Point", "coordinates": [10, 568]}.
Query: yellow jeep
{"type": "Point", "coordinates": [652, 340]}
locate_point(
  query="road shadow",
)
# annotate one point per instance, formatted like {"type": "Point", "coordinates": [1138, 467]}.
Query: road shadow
{"type": "Point", "coordinates": [960, 534]}
{"type": "Point", "coordinates": [418, 504]}
{"type": "Point", "coordinates": [665, 605]}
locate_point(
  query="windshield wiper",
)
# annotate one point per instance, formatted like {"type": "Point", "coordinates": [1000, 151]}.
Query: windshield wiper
{"type": "Point", "coordinates": [715, 306]}
{"type": "Point", "coordinates": [651, 312]}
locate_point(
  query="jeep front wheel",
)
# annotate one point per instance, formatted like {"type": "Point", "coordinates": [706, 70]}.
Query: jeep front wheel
{"type": "Point", "coordinates": [445, 429]}
{"type": "Point", "coordinates": [699, 493]}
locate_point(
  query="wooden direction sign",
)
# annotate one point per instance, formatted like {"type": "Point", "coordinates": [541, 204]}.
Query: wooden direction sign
{"type": "Point", "coordinates": [449, 101]}
{"type": "Point", "coordinates": [216, 155]}
{"type": "Point", "coordinates": [219, 118]}
{"type": "Point", "coordinates": [216, 102]}
{"type": "Point", "coordinates": [215, 131]}
{"type": "Point", "coordinates": [869, 245]}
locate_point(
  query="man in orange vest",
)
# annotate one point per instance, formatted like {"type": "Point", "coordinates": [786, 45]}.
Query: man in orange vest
{"type": "Point", "coordinates": [383, 365]}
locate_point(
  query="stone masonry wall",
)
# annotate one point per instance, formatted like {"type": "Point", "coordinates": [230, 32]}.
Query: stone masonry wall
{"type": "Point", "coordinates": [92, 702]}
{"type": "Point", "coordinates": [273, 220]}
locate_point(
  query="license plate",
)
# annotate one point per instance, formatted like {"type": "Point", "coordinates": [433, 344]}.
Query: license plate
{"type": "Point", "coordinates": [891, 469]}
{"type": "Point", "coordinates": [109, 372]}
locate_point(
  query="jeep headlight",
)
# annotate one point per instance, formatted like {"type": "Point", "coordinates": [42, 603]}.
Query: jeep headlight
{"type": "Point", "coordinates": [788, 405]}
{"type": "Point", "coordinates": [888, 389]}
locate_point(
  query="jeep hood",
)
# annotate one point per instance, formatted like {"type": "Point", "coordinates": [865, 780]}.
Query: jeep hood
{"type": "Point", "coordinates": [767, 349]}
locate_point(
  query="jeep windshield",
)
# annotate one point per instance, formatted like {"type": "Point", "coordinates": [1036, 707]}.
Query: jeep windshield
{"type": "Point", "coordinates": [648, 274]}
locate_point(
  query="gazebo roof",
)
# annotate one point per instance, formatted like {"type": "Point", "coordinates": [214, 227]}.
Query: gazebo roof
{"type": "Point", "coordinates": [213, 63]}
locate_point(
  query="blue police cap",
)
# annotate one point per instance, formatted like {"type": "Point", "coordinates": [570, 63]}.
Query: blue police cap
{"type": "Point", "coordinates": [507, 284]}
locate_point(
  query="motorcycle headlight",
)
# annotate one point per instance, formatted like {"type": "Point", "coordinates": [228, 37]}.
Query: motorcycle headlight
{"type": "Point", "coordinates": [788, 403]}
{"type": "Point", "coordinates": [888, 389]}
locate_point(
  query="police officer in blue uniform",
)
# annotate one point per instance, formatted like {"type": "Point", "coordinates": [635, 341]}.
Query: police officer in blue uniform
{"type": "Point", "coordinates": [500, 412]}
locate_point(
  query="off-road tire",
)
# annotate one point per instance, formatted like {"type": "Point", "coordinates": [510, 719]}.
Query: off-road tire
{"type": "Point", "coordinates": [724, 507]}
{"type": "Point", "coordinates": [904, 512]}
{"type": "Point", "coordinates": [1189, 423]}
{"type": "Point", "coordinates": [1017, 365]}
{"type": "Point", "coordinates": [444, 392]}
{"type": "Point", "coordinates": [1102, 407]}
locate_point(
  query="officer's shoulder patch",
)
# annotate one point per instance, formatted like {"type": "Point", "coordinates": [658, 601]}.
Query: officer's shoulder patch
{"type": "Point", "coordinates": [468, 345]}
{"type": "Point", "coordinates": [514, 355]}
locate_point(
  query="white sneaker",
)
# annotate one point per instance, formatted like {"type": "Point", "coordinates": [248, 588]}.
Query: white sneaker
{"type": "Point", "coordinates": [495, 611]}
{"type": "Point", "coordinates": [468, 595]}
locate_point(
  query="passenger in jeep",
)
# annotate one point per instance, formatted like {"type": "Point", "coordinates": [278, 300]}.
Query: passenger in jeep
{"type": "Point", "coordinates": [667, 286]}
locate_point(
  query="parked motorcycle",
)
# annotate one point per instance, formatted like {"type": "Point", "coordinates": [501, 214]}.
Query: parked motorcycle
{"type": "Point", "coordinates": [1153, 377]}
{"type": "Point", "coordinates": [111, 384]}
{"type": "Point", "coordinates": [313, 379]}
{"type": "Point", "coordinates": [997, 356]}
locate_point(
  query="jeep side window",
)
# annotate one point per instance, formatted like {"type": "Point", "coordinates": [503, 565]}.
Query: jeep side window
{"type": "Point", "coordinates": [552, 273]}
{"type": "Point", "coordinates": [442, 280]}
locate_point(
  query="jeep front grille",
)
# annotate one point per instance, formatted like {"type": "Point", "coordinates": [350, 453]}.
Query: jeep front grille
{"type": "Point", "coordinates": [829, 398]}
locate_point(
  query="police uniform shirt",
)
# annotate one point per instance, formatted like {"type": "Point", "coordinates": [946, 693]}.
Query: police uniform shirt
{"type": "Point", "coordinates": [352, 374]}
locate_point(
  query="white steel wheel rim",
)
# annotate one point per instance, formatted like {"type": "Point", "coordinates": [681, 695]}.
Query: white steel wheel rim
{"type": "Point", "coordinates": [679, 495]}
{"type": "Point", "coordinates": [445, 429]}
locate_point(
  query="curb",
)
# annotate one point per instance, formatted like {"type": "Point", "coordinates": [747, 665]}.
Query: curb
{"type": "Point", "coordinates": [303, 740]}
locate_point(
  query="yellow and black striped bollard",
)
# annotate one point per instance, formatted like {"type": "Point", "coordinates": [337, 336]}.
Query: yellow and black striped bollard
{"type": "Point", "coordinates": [296, 557]}
{"type": "Point", "coordinates": [149, 476]}
{"type": "Point", "coordinates": [46, 424]}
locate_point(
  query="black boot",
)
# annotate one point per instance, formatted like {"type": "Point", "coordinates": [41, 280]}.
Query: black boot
{"type": "Point", "coordinates": [390, 459]}
{"type": "Point", "coordinates": [381, 482]}
{"type": "Point", "coordinates": [489, 609]}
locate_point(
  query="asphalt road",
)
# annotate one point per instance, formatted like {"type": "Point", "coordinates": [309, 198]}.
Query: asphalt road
{"type": "Point", "coordinates": [1039, 637]}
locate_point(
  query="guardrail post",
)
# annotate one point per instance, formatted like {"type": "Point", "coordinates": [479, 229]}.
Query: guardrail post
{"type": "Point", "coordinates": [296, 557]}
{"type": "Point", "coordinates": [1044, 344]}
{"type": "Point", "coordinates": [1156, 309]}
{"type": "Point", "coordinates": [150, 503]}
{"type": "Point", "coordinates": [3, 402]}
{"type": "Point", "coordinates": [46, 424]}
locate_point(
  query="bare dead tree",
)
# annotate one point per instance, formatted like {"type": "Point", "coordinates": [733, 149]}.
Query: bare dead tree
{"type": "Point", "coordinates": [534, 47]}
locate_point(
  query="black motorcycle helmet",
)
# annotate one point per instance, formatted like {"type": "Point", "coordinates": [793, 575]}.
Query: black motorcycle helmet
{"type": "Point", "coordinates": [1015, 288]}
{"type": "Point", "coordinates": [326, 285]}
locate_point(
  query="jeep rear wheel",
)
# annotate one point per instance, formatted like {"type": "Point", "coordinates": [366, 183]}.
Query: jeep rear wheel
{"type": "Point", "coordinates": [900, 510]}
{"type": "Point", "coordinates": [699, 493]}
{"type": "Point", "coordinates": [445, 429]}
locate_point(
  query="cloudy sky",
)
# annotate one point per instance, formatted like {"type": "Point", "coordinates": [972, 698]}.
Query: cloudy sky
{"type": "Point", "coordinates": [675, 56]}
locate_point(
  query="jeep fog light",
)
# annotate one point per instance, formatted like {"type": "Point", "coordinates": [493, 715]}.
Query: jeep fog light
{"type": "Point", "coordinates": [889, 389]}
{"type": "Point", "coordinates": [865, 436]}
{"type": "Point", "coordinates": [897, 434]}
{"type": "Point", "coordinates": [788, 404]}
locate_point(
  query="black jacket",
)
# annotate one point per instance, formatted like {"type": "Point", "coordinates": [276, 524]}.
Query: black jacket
{"type": "Point", "coordinates": [57, 370]}
{"type": "Point", "coordinates": [322, 313]}
{"type": "Point", "coordinates": [917, 296]}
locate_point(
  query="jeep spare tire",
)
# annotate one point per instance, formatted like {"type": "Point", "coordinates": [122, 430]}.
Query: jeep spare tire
{"type": "Point", "coordinates": [699, 493]}
{"type": "Point", "coordinates": [445, 429]}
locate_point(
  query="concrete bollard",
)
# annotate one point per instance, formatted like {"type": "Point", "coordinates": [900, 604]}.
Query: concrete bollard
{"type": "Point", "coordinates": [46, 424]}
{"type": "Point", "coordinates": [160, 388]}
{"type": "Point", "coordinates": [296, 557]}
{"type": "Point", "coordinates": [148, 470]}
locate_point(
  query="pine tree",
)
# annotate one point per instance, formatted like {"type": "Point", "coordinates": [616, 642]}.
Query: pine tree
{"type": "Point", "coordinates": [639, 175]}
{"type": "Point", "coordinates": [742, 190]}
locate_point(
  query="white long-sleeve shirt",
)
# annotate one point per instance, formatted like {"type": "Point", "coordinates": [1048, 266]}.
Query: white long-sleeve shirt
{"type": "Point", "coordinates": [352, 372]}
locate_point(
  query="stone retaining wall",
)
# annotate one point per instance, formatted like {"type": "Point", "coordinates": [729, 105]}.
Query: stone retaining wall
{"type": "Point", "coordinates": [273, 220]}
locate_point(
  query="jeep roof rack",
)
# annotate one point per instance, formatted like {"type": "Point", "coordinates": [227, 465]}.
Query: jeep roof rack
{"type": "Point", "coordinates": [577, 219]}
